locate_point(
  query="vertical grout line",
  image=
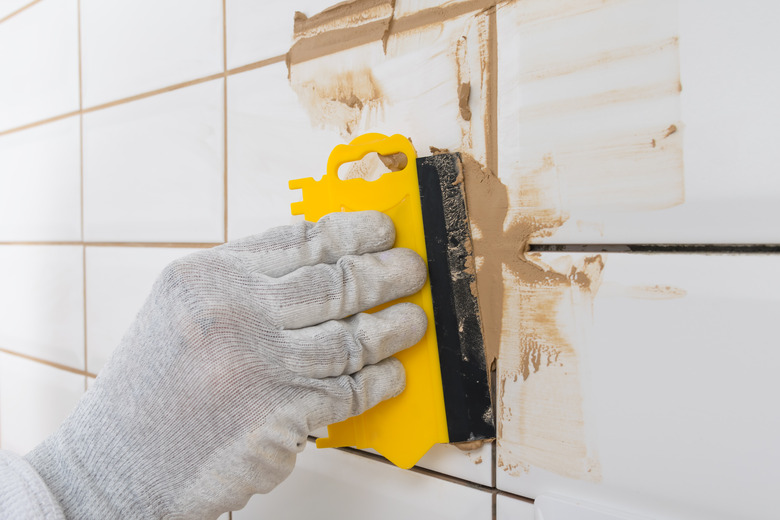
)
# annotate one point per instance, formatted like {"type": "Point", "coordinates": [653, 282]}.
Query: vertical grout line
{"type": "Point", "coordinates": [81, 187]}
{"type": "Point", "coordinates": [84, 299]}
{"type": "Point", "coordinates": [224, 118]}
{"type": "Point", "coordinates": [491, 130]}
{"type": "Point", "coordinates": [491, 156]}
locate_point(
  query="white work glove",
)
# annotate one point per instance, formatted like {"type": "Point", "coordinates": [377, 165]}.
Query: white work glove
{"type": "Point", "coordinates": [238, 354]}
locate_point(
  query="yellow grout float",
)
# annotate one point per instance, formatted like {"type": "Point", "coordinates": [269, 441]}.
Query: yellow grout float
{"type": "Point", "coordinates": [447, 397]}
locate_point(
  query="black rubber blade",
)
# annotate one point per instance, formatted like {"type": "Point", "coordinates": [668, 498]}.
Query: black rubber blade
{"type": "Point", "coordinates": [451, 269]}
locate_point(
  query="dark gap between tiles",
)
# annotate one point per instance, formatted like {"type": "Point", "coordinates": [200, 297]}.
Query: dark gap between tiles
{"type": "Point", "coordinates": [516, 497]}
{"type": "Point", "coordinates": [415, 469]}
{"type": "Point", "coordinates": [657, 248]}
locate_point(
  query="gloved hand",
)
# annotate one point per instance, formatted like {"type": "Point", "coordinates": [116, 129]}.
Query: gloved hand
{"type": "Point", "coordinates": [238, 354]}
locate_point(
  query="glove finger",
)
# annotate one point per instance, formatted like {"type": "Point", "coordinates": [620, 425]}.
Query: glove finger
{"type": "Point", "coordinates": [284, 249]}
{"type": "Point", "coordinates": [340, 347]}
{"type": "Point", "coordinates": [312, 295]}
{"type": "Point", "coordinates": [346, 396]}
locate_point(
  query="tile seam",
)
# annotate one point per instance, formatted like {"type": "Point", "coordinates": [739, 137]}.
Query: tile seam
{"type": "Point", "coordinates": [21, 9]}
{"type": "Point", "coordinates": [46, 362]}
{"type": "Point", "coordinates": [416, 469]}
{"type": "Point", "coordinates": [81, 189]}
{"type": "Point", "coordinates": [144, 95]}
{"type": "Point", "coordinates": [224, 123]}
{"type": "Point", "coordinates": [514, 496]}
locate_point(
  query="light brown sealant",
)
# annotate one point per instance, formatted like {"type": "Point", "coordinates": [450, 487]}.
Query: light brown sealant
{"type": "Point", "coordinates": [655, 292]}
{"type": "Point", "coordinates": [339, 100]}
{"type": "Point", "coordinates": [542, 421]}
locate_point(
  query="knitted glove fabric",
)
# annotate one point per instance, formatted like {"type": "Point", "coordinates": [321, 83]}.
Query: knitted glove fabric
{"type": "Point", "coordinates": [238, 354]}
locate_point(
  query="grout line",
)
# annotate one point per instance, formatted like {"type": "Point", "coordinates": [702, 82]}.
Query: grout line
{"type": "Point", "coordinates": [491, 130]}
{"type": "Point", "coordinates": [224, 122]}
{"type": "Point", "coordinates": [414, 469]}
{"type": "Point", "coordinates": [81, 194]}
{"type": "Point", "coordinates": [257, 65]}
{"type": "Point", "coordinates": [170, 88]}
{"type": "Point", "coordinates": [192, 245]}
{"type": "Point", "coordinates": [53, 364]}
{"type": "Point", "coordinates": [493, 504]}
{"type": "Point", "coordinates": [224, 35]}
{"type": "Point", "coordinates": [84, 302]}
{"type": "Point", "coordinates": [491, 158]}
{"type": "Point", "coordinates": [155, 92]}
{"type": "Point", "coordinates": [514, 496]}
{"type": "Point", "coordinates": [14, 13]}
{"type": "Point", "coordinates": [657, 248]}
{"type": "Point", "coordinates": [225, 159]}
{"type": "Point", "coordinates": [39, 123]}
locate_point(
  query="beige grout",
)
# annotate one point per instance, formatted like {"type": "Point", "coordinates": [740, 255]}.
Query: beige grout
{"type": "Point", "coordinates": [224, 121]}
{"type": "Point", "coordinates": [14, 13]}
{"type": "Point", "coordinates": [46, 362]}
{"type": "Point", "coordinates": [39, 123]}
{"type": "Point", "coordinates": [144, 95]}
{"type": "Point", "coordinates": [81, 195]}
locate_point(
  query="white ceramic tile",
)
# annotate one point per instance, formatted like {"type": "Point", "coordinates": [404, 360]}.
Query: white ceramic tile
{"type": "Point", "coordinates": [346, 486]}
{"type": "Point", "coordinates": [270, 141]}
{"type": "Point", "coordinates": [9, 6]}
{"type": "Point", "coordinates": [281, 129]}
{"type": "Point", "coordinates": [42, 302]}
{"type": "Point", "coordinates": [153, 168]}
{"type": "Point", "coordinates": [508, 508]}
{"type": "Point", "coordinates": [119, 280]}
{"type": "Point", "coordinates": [130, 47]}
{"type": "Point", "coordinates": [40, 63]}
{"type": "Point", "coordinates": [474, 465]}
{"type": "Point", "coordinates": [648, 387]}
{"type": "Point", "coordinates": [257, 31]}
{"type": "Point", "coordinates": [611, 121]}
{"type": "Point", "coordinates": [40, 183]}
{"type": "Point", "coordinates": [34, 400]}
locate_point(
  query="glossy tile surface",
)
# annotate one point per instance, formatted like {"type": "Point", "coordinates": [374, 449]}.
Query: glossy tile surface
{"type": "Point", "coordinates": [153, 168]}
{"type": "Point", "coordinates": [8, 7]}
{"type": "Point", "coordinates": [474, 465]}
{"type": "Point", "coordinates": [39, 60]}
{"type": "Point", "coordinates": [34, 400]}
{"type": "Point", "coordinates": [42, 302]}
{"type": "Point", "coordinates": [659, 362]}
{"type": "Point", "coordinates": [40, 183]}
{"type": "Point", "coordinates": [131, 47]}
{"type": "Point", "coordinates": [610, 121]}
{"type": "Point", "coordinates": [513, 509]}
{"type": "Point", "coordinates": [260, 30]}
{"type": "Point", "coordinates": [119, 279]}
{"type": "Point", "coordinates": [346, 486]}
{"type": "Point", "coordinates": [270, 141]}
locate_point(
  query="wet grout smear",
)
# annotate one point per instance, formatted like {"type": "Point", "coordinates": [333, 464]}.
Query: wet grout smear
{"type": "Point", "coordinates": [589, 117]}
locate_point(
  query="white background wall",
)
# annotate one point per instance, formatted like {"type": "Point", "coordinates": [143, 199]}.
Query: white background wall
{"type": "Point", "coordinates": [135, 132]}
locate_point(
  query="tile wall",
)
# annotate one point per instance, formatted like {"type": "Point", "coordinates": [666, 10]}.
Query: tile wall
{"type": "Point", "coordinates": [134, 132]}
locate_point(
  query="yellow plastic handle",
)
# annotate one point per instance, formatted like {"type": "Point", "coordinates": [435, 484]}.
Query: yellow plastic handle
{"type": "Point", "coordinates": [404, 428]}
